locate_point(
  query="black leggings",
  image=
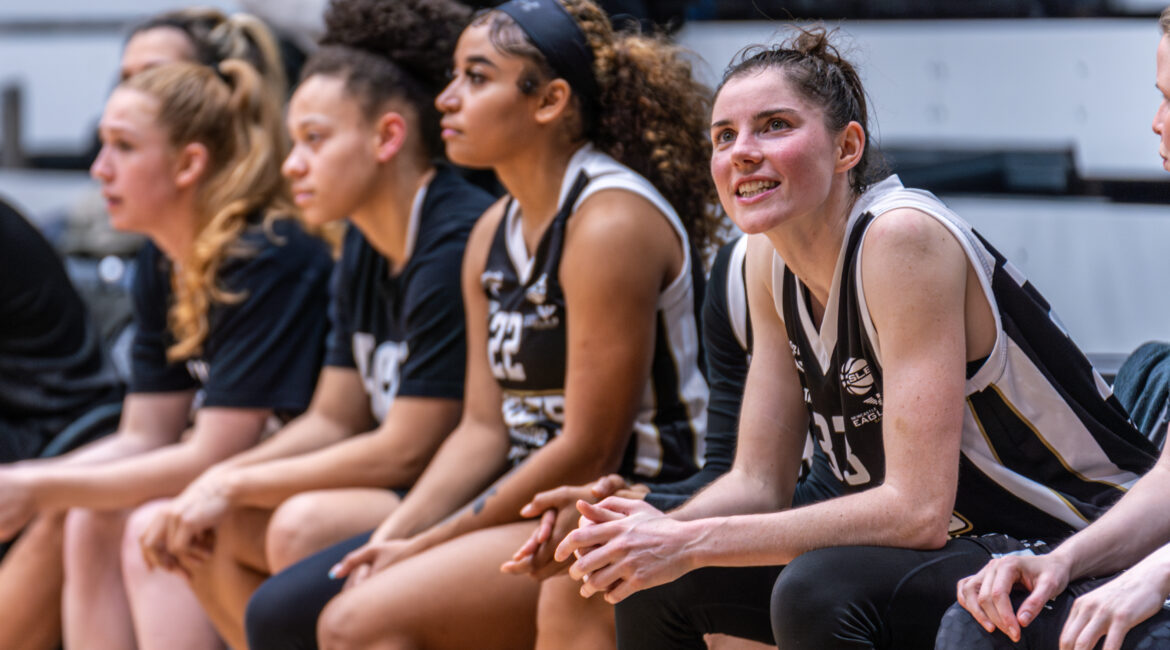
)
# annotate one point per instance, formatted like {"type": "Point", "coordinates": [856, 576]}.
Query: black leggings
{"type": "Point", "coordinates": [840, 597]}
{"type": "Point", "coordinates": [282, 614]}
{"type": "Point", "coordinates": [959, 631]}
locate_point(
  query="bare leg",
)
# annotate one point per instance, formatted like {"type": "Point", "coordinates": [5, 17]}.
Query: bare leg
{"type": "Point", "coordinates": [96, 612]}
{"type": "Point", "coordinates": [236, 568]}
{"type": "Point", "coordinates": [310, 521]}
{"type": "Point", "coordinates": [165, 611]}
{"type": "Point", "coordinates": [301, 526]}
{"type": "Point", "coordinates": [565, 620]}
{"type": "Point", "coordinates": [30, 586]}
{"type": "Point", "coordinates": [451, 596]}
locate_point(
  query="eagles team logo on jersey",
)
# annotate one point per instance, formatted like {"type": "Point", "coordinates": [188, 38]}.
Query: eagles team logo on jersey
{"type": "Point", "coordinates": [856, 376]}
{"type": "Point", "coordinates": [546, 317]}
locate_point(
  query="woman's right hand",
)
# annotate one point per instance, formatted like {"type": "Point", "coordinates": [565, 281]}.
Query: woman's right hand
{"type": "Point", "coordinates": [558, 517]}
{"type": "Point", "coordinates": [987, 594]}
{"type": "Point", "coordinates": [187, 525]}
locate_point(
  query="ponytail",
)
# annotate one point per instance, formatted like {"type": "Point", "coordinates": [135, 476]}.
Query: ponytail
{"type": "Point", "coordinates": [230, 112]}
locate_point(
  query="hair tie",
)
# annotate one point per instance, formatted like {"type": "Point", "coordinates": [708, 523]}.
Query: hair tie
{"type": "Point", "coordinates": [560, 39]}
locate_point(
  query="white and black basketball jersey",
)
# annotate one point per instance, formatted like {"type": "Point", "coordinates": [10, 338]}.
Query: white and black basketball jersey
{"type": "Point", "coordinates": [527, 337]}
{"type": "Point", "coordinates": [1046, 448]}
{"type": "Point", "coordinates": [403, 330]}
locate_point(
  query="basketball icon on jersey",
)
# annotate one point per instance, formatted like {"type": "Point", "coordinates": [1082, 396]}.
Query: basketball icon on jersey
{"type": "Point", "coordinates": [856, 376]}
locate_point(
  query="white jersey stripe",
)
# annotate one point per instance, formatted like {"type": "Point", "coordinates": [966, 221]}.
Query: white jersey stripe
{"type": "Point", "coordinates": [1023, 384]}
{"type": "Point", "coordinates": [1037, 495]}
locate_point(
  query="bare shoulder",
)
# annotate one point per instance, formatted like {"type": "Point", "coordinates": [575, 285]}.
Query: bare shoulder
{"type": "Point", "coordinates": [619, 214]}
{"type": "Point", "coordinates": [909, 232]}
{"type": "Point", "coordinates": [624, 229]}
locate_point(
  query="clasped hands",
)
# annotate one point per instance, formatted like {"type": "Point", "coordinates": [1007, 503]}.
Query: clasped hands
{"type": "Point", "coordinates": [605, 534]}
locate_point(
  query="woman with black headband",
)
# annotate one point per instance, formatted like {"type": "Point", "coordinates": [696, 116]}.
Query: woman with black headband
{"type": "Point", "coordinates": [581, 293]}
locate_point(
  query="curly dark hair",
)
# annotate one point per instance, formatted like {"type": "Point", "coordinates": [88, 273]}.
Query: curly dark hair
{"type": "Point", "coordinates": [651, 114]}
{"type": "Point", "coordinates": [816, 68]}
{"type": "Point", "coordinates": [398, 50]}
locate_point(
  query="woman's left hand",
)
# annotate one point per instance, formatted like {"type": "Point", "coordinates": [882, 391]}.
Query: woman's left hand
{"type": "Point", "coordinates": [1113, 609]}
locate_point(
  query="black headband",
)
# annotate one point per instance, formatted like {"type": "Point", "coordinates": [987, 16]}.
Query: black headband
{"type": "Point", "coordinates": [560, 39]}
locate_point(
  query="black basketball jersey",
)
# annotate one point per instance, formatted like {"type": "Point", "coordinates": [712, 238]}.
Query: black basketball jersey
{"type": "Point", "coordinates": [1045, 449]}
{"type": "Point", "coordinates": [404, 331]}
{"type": "Point", "coordinates": [263, 351]}
{"type": "Point", "coordinates": [527, 336]}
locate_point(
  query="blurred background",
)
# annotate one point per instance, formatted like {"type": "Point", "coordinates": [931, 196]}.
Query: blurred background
{"type": "Point", "coordinates": [1030, 117]}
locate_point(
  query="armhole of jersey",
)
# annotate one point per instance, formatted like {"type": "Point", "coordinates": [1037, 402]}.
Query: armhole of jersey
{"type": "Point", "coordinates": [976, 255]}
{"type": "Point", "coordinates": [778, 286]}
{"type": "Point", "coordinates": [737, 308]}
{"type": "Point", "coordinates": [630, 182]}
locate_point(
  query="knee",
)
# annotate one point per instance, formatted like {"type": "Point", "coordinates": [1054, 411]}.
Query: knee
{"type": "Point", "coordinates": [813, 592]}
{"type": "Point", "coordinates": [346, 623]}
{"type": "Point", "coordinates": [958, 630]}
{"type": "Point", "coordinates": [137, 523]}
{"type": "Point", "coordinates": [291, 537]}
{"type": "Point", "coordinates": [86, 529]}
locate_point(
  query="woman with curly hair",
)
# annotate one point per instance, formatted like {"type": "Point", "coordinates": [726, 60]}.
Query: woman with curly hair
{"type": "Point", "coordinates": [581, 290]}
{"type": "Point", "coordinates": [229, 302]}
{"type": "Point", "coordinates": [365, 144]}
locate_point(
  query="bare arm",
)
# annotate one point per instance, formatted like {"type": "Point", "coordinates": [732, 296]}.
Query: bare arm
{"type": "Point", "coordinates": [1131, 530]}
{"type": "Point", "coordinates": [773, 420]}
{"type": "Point", "coordinates": [339, 409]}
{"type": "Point", "coordinates": [915, 275]}
{"type": "Point", "coordinates": [475, 453]}
{"type": "Point", "coordinates": [160, 469]}
{"type": "Point", "coordinates": [1137, 525]}
{"type": "Point", "coordinates": [149, 420]}
{"type": "Point", "coordinates": [392, 455]}
{"type": "Point", "coordinates": [611, 309]}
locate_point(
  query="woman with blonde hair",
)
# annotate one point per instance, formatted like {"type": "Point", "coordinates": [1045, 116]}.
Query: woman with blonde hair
{"type": "Point", "coordinates": [229, 301]}
{"type": "Point", "coordinates": [366, 149]}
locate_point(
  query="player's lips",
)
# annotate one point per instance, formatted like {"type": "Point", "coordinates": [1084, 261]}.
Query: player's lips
{"type": "Point", "coordinates": [752, 188]}
{"type": "Point", "coordinates": [448, 130]}
{"type": "Point", "coordinates": [301, 196]}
